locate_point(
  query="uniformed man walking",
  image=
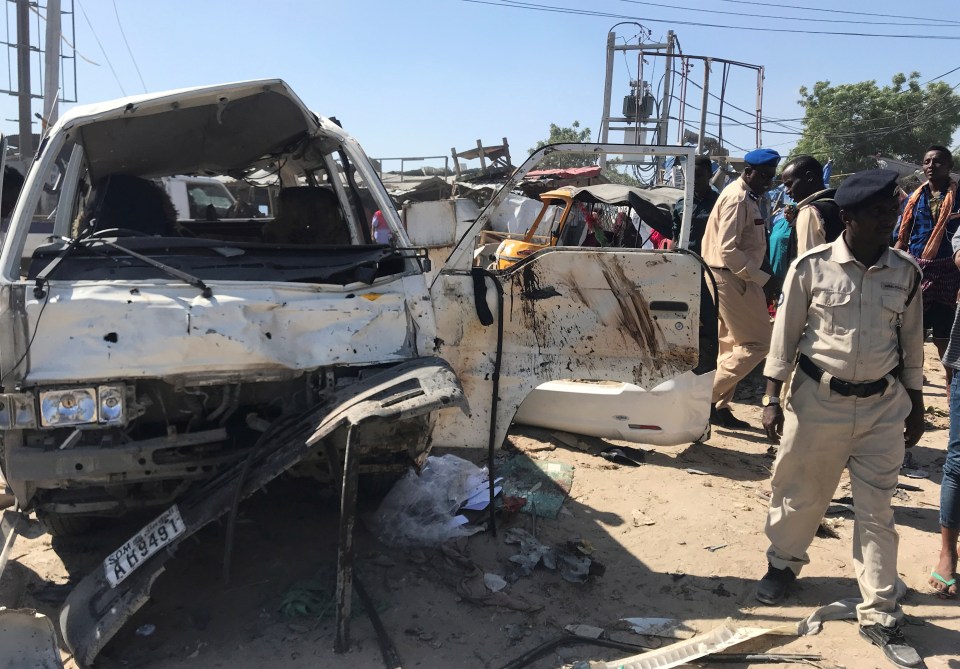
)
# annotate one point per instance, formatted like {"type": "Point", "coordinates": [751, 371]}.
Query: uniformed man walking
{"type": "Point", "coordinates": [735, 246]}
{"type": "Point", "coordinates": [852, 317]}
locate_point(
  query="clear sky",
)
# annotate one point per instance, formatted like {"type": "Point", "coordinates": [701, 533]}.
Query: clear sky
{"type": "Point", "coordinates": [416, 78]}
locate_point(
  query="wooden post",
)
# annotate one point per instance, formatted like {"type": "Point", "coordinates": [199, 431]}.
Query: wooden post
{"type": "Point", "coordinates": [483, 160]}
{"type": "Point", "coordinates": [506, 150]}
{"type": "Point", "coordinates": [456, 162]}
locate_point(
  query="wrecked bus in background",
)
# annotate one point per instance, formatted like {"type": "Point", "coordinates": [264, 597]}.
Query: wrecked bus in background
{"type": "Point", "coordinates": [152, 362]}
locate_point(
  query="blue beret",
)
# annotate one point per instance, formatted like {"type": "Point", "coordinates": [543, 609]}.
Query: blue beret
{"type": "Point", "coordinates": [762, 157]}
{"type": "Point", "coordinates": [861, 186]}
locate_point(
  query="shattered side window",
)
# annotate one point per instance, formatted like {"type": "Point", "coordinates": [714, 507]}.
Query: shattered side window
{"type": "Point", "coordinates": [360, 205]}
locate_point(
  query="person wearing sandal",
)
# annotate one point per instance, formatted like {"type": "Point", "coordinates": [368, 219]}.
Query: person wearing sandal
{"type": "Point", "coordinates": [943, 578]}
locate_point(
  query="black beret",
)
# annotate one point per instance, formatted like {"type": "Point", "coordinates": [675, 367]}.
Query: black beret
{"type": "Point", "coordinates": [860, 187]}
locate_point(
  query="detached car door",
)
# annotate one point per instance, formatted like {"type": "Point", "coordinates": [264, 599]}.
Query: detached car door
{"type": "Point", "coordinates": [618, 343]}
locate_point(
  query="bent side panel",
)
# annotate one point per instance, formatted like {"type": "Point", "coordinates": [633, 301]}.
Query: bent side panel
{"type": "Point", "coordinates": [601, 314]}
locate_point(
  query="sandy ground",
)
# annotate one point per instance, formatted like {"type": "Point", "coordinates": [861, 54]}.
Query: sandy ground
{"type": "Point", "coordinates": [651, 527]}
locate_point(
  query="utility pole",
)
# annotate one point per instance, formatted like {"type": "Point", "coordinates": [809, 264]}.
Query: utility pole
{"type": "Point", "coordinates": [703, 105]}
{"type": "Point", "coordinates": [667, 95]}
{"type": "Point", "coordinates": [23, 81]}
{"type": "Point", "coordinates": [638, 117]}
{"type": "Point", "coordinates": [51, 70]}
{"type": "Point", "coordinates": [607, 93]}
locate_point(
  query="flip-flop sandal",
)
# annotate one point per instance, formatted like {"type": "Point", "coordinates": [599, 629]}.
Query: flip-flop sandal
{"type": "Point", "coordinates": [946, 584]}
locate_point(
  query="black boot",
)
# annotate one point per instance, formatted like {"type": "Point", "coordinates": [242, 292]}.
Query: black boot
{"type": "Point", "coordinates": [725, 418]}
{"type": "Point", "coordinates": [894, 646]}
{"type": "Point", "coordinates": [774, 585]}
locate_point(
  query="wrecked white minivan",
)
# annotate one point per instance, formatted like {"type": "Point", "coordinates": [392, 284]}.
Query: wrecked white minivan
{"type": "Point", "coordinates": [153, 362]}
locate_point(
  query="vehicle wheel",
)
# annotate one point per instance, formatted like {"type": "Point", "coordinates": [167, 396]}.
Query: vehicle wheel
{"type": "Point", "coordinates": [66, 525]}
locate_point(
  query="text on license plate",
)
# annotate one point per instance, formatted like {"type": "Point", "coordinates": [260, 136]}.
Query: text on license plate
{"type": "Point", "coordinates": [142, 545]}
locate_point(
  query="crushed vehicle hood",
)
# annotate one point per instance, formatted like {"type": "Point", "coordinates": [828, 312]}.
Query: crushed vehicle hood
{"type": "Point", "coordinates": [244, 331]}
{"type": "Point", "coordinates": [218, 129]}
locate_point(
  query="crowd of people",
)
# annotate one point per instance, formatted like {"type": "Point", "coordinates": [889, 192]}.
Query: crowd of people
{"type": "Point", "coordinates": [866, 270]}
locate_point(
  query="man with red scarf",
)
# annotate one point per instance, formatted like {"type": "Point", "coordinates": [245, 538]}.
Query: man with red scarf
{"type": "Point", "coordinates": [929, 220]}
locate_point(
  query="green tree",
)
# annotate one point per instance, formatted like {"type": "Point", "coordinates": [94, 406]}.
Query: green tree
{"type": "Point", "coordinates": [572, 134]}
{"type": "Point", "coordinates": [851, 123]}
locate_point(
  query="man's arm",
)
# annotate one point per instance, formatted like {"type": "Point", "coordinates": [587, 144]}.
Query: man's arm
{"type": "Point", "coordinates": [810, 231]}
{"type": "Point", "coordinates": [787, 328]}
{"type": "Point", "coordinates": [730, 219]}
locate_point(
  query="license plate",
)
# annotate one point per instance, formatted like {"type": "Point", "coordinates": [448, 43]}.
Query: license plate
{"type": "Point", "coordinates": [143, 545]}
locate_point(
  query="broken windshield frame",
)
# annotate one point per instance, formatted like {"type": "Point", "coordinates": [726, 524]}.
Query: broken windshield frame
{"type": "Point", "coordinates": [90, 240]}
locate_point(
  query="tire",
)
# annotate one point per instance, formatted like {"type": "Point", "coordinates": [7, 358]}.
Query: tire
{"type": "Point", "coordinates": [59, 525]}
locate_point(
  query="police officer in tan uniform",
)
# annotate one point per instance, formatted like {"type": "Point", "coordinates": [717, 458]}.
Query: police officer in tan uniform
{"type": "Point", "coordinates": [851, 324]}
{"type": "Point", "coordinates": [735, 246]}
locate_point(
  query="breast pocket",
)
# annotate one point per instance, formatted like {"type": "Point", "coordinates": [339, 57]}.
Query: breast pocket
{"type": "Point", "coordinates": [833, 309]}
{"type": "Point", "coordinates": [893, 306]}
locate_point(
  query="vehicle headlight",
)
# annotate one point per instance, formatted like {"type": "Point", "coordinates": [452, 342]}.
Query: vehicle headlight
{"type": "Point", "coordinates": [104, 405]}
{"type": "Point", "coordinates": [17, 411]}
{"type": "Point", "coordinates": [75, 406]}
{"type": "Point", "coordinates": [111, 404]}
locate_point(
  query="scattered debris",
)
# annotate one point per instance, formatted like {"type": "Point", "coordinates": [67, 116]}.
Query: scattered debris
{"type": "Point", "coordinates": [568, 640]}
{"type": "Point", "coordinates": [581, 546]}
{"type": "Point", "coordinates": [545, 485]}
{"type": "Point", "coordinates": [624, 455]}
{"type": "Point", "coordinates": [586, 631]}
{"type": "Point", "coordinates": [715, 548]}
{"type": "Point", "coordinates": [513, 504]}
{"type": "Point", "coordinates": [146, 630]}
{"type": "Point", "coordinates": [720, 638]}
{"type": "Point", "coordinates": [915, 473]}
{"type": "Point", "coordinates": [572, 567]}
{"type": "Point", "coordinates": [494, 582]}
{"type": "Point", "coordinates": [909, 487]}
{"type": "Point", "coordinates": [423, 509]}
{"type": "Point", "coordinates": [828, 528]}
{"type": "Point", "coordinates": [663, 627]}
{"type": "Point", "coordinates": [698, 471]}
{"type": "Point", "coordinates": [640, 518]}
{"type": "Point", "coordinates": [473, 588]}
{"type": "Point", "coordinates": [573, 440]}
{"type": "Point", "coordinates": [839, 507]}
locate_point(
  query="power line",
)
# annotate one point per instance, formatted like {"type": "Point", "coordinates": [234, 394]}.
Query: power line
{"type": "Point", "coordinates": [129, 51]}
{"type": "Point", "coordinates": [831, 11]}
{"type": "Point", "coordinates": [102, 50]}
{"type": "Point", "coordinates": [781, 16]}
{"type": "Point", "coordinates": [609, 15]}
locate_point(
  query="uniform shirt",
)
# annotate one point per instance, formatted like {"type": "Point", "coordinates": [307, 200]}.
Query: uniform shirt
{"type": "Point", "coordinates": [735, 238]}
{"type": "Point", "coordinates": [810, 229]}
{"type": "Point", "coordinates": [843, 316]}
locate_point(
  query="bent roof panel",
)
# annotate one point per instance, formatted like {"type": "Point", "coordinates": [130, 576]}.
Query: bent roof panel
{"type": "Point", "coordinates": [207, 129]}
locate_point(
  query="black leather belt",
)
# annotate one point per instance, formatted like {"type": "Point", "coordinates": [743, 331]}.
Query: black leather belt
{"type": "Point", "coordinates": [841, 387]}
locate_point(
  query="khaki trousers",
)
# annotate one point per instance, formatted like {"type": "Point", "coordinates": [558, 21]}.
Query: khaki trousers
{"type": "Point", "coordinates": [823, 433]}
{"type": "Point", "coordinates": [744, 329]}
